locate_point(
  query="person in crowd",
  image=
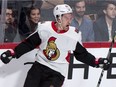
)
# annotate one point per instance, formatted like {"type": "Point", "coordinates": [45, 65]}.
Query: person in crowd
{"type": "Point", "coordinates": [82, 23]}
{"type": "Point", "coordinates": [105, 25]}
{"type": "Point", "coordinates": [28, 22]}
{"type": "Point", "coordinates": [10, 26]}
{"type": "Point", "coordinates": [57, 40]}
{"type": "Point", "coordinates": [47, 8]}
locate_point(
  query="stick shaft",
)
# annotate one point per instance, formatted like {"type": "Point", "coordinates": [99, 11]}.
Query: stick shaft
{"type": "Point", "coordinates": [108, 56]}
{"type": "Point", "coordinates": [99, 82]}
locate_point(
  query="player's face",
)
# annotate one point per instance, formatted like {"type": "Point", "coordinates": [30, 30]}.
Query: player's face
{"type": "Point", "coordinates": [35, 15]}
{"type": "Point", "coordinates": [66, 20]}
{"type": "Point", "coordinates": [80, 9]}
{"type": "Point", "coordinates": [110, 12]}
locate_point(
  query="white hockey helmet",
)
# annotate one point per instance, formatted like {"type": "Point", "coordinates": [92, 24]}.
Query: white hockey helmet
{"type": "Point", "coordinates": [61, 9]}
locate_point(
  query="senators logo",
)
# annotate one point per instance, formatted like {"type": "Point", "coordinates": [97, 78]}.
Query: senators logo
{"type": "Point", "coordinates": [51, 52]}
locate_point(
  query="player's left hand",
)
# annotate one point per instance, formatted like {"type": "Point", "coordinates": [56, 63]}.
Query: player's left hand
{"type": "Point", "coordinates": [103, 63]}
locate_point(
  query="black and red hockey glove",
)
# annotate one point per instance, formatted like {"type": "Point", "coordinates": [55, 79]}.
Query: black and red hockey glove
{"type": "Point", "coordinates": [103, 63]}
{"type": "Point", "coordinates": [7, 56]}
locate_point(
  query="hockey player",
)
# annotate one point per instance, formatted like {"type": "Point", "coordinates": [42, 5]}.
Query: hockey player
{"type": "Point", "coordinates": [56, 40]}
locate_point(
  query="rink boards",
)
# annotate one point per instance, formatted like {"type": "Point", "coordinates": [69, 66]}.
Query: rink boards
{"type": "Point", "coordinates": [80, 75]}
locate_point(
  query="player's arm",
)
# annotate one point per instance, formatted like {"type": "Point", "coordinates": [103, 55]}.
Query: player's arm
{"type": "Point", "coordinates": [84, 56]}
{"type": "Point", "coordinates": [27, 45]}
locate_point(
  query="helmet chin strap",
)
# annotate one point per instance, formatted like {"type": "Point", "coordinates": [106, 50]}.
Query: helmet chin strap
{"type": "Point", "coordinates": [59, 23]}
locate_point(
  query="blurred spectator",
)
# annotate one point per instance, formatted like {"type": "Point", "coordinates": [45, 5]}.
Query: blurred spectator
{"type": "Point", "coordinates": [105, 26]}
{"type": "Point", "coordinates": [29, 19]}
{"type": "Point", "coordinates": [81, 22]}
{"type": "Point", "coordinates": [47, 9]}
{"type": "Point", "coordinates": [47, 4]}
{"type": "Point", "coordinates": [91, 8]}
{"type": "Point", "coordinates": [10, 26]}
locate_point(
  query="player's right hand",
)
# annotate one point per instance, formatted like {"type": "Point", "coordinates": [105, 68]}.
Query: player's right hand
{"type": "Point", "coordinates": [103, 63]}
{"type": "Point", "coordinates": [7, 56]}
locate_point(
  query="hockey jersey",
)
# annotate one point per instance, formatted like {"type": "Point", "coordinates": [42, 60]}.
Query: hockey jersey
{"type": "Point", "coordinates": [55, 47]}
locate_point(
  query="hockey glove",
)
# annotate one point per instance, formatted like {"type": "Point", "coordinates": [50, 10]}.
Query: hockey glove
{"type": "Point", "coordinates": [103, 63]}
{"type": "Point", "coordinates": [7, 56]}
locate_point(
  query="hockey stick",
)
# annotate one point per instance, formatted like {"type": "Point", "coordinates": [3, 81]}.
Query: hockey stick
{"type": "Point", "coordinates": [108, 56]}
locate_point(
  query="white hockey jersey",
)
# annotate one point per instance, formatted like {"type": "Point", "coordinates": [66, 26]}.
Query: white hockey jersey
{"type": "Point", "coordinates": [56, 46]}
